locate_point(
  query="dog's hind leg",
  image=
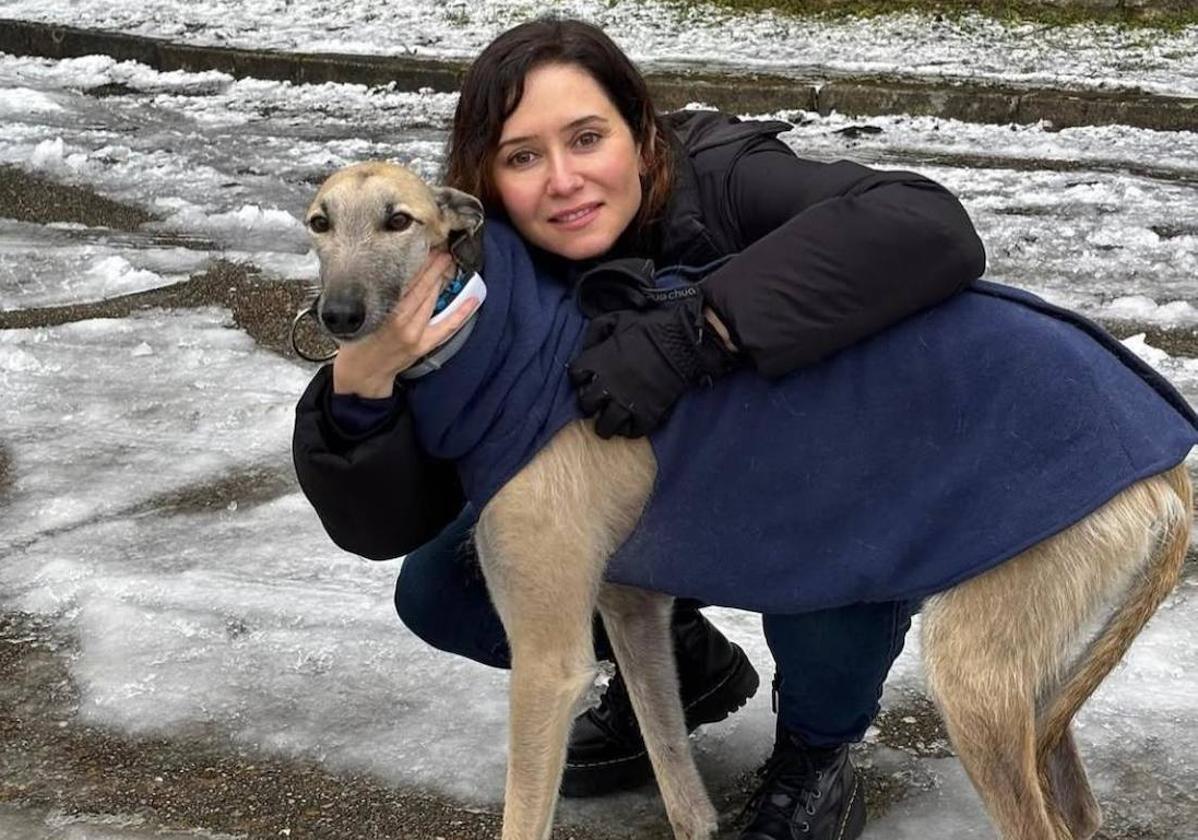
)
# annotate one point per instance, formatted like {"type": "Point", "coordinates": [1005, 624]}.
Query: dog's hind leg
{"type": "Point", "coordinates": [638, 625]}
{"type": "Point", "coordinates": [1137, 580]}
{"type": "Point", "coordinates": [990, 715]}
{"type": "Point", "coordinates": [1000, 652]}
{"type": "Point", "coordinates": [1067, 789]}
{"type": "Point", "coordinates": [980, 648]}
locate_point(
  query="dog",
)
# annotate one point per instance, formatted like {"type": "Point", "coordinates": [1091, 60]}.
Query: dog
{"type": "Point", "coordinates": [1006, 652]}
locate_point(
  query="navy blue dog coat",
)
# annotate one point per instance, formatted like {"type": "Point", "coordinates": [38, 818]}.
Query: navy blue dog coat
{"type": "Point", "coordinates": [898, 467]}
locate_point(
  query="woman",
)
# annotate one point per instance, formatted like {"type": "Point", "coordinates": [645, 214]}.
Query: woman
{"type": "Point", "coordinates": [556, 132]}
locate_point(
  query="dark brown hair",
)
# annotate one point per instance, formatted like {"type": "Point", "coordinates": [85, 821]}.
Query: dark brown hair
{"type": "Point", "coordinates": [494, 85]}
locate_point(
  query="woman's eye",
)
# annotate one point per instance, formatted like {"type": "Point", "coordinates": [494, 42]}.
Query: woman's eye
{"type": "Point", "coordinates": [399, 221]}
{"type": "Point", "coordinates": [319, 224]}
{"type": "Point", "coordinates": [520, 159]}
{"type": "Point", "coordinates": [589, 138]}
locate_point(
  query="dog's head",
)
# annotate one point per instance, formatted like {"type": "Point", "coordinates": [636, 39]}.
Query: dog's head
{"type": "Point", "coordinates": [373, 226]}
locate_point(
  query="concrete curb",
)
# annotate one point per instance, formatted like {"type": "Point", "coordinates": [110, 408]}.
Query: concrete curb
{"type": "Point", "coordinates": [738, 93]}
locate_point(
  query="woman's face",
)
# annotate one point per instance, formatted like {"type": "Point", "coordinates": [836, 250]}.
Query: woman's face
{"type": "Point", "coordinates": [568, 168]}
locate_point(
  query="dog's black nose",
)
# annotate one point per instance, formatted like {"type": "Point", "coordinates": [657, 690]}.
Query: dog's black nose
{"type": "Point", "coordinates": [342, 315]}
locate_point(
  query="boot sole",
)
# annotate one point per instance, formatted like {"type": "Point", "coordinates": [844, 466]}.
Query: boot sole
{"type": "Point", "coordinates": [581, 781]}
{"type": "Point", "coordinates": [854, 818]}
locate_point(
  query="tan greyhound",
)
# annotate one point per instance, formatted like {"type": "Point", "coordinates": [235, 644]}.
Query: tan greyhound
{"type": "Point", "coordinates": [1007, 654]}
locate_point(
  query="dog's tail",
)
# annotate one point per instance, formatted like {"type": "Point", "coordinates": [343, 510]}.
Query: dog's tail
{"type": "Point", "coordinates": [1151, 587]}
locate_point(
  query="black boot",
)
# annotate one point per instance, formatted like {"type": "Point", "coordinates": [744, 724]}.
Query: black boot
{"type": "Point", "coordinates": [806, 793]}
{"type": "Point", "coordinates": [606, 753]}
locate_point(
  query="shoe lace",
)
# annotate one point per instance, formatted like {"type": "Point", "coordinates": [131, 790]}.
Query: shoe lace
{"type": "Point", "coordinates": [788, 778]}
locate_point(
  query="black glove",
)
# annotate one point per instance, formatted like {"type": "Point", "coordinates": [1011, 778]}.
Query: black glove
{"type": "Point", "coordinates": [636, 363]}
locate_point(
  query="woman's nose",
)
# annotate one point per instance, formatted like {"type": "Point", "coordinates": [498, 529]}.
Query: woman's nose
{"type": "Point", "coordinates": [564, 178]}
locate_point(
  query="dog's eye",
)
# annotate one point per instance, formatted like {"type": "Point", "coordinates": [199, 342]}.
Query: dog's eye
{"type": "Point", "coordinates": [399, 221]}
{"type": "Point", "coordinates": [319, 224]}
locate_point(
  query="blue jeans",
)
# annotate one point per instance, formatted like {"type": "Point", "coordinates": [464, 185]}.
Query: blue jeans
{"type": "Point", "coordinates": [830, 664]}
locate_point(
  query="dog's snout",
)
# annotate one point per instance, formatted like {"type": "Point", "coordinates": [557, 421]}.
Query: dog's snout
{"type": "Point", "coordinates": [342, 315]}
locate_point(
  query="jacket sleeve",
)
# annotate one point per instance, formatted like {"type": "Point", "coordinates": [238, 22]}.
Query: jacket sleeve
{"type": "Point", "coordinates": [832, 253]}
{"type": "Point", "coordinates": [378, 494]}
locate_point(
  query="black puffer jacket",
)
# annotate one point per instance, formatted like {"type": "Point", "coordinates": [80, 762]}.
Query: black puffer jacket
{"type": "Point", "coordinates": [828, 253]}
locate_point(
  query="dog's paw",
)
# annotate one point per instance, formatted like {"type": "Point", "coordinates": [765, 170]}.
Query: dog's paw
{"type": "Point", "coordinates": [699, 824]}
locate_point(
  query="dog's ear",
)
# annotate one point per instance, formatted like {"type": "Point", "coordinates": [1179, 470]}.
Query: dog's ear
{"type": "Point", "coordinates": [463, 214]}
{"type": "Point", "coordinates": [461, 211]}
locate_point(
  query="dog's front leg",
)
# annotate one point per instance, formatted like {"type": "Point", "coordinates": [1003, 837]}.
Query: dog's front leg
{"type": "Point", "coordinates": [546, 691]}
{"type": "Point", "coordinates": [543, 541]}
{"type": "Point", "coordinates": [544, 592]}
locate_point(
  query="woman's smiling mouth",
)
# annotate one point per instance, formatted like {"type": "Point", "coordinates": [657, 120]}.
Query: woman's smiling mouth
{"type": "Point", "coordinates": [577, 217]}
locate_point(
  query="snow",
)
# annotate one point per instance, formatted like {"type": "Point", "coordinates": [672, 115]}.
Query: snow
{"type": "Point", "coordinates": [18, 101]}
{"type": "Point", "coordinates": [138, 426]}
{"type": "Point", "coordinates": [1069, 214]}
{"type": "Point", "coordinates": [660, 33]}
{"type": "Point", "coordinates": [246, 618]}
{"type": "Point", "coordinates": [250, 225]}
{"type": "Point", "coordinates": [47, 265]}
{"type": "Point", "coordinates": [1141, 308]}
{"type": "Point", "coordinates": [249, 619]}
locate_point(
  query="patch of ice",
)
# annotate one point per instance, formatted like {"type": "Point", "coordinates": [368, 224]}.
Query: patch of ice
{"type": "Point", "coordinates": [1143, 308]}
{"type": "Point", "coordinates": [114, 275]}
{"type": "Point", "coordinates": [18, 360]}
{"type": "Point", "coordinates": [1153, 355]}
{"type": "Point", "coordinates": [49, 154]}
{"type": "Point", "coordinates": [80, 402]}
{"type": "Point", "coordinates": [63, 264]}
{"type": "Point", "coordinates": [249, 226]}
{"type": "Point", "coordinates": [28, 824]}
{"type": "Point", "coordinates": [291, 266]}
{"type": "Point", "coordinates": [24, 100]}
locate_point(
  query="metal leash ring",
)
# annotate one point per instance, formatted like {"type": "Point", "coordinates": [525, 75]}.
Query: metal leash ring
{"type": "Point", "coordinates": [307, 312]}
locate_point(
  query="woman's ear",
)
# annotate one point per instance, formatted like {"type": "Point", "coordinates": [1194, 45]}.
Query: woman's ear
{"type": "Point", "coordinates": [460, 210]}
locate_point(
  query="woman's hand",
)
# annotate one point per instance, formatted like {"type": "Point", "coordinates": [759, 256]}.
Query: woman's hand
{"type": "Point", "coordinates": [368, 367]}
{"type": "Point", "coordinates": [635, 364]}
